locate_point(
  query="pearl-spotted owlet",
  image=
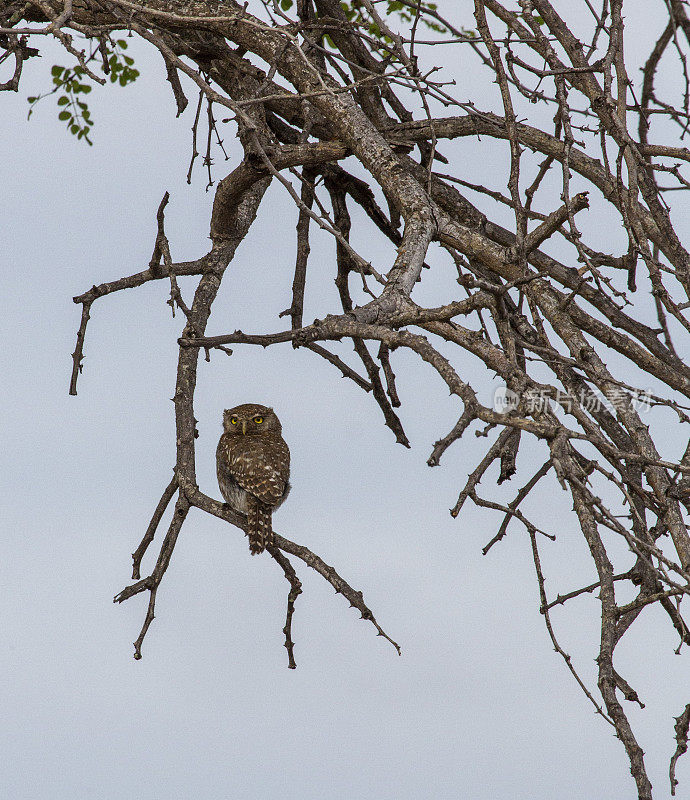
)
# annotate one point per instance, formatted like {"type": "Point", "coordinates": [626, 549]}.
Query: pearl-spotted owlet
{"type": "Point", "coordinates": [253, 465]}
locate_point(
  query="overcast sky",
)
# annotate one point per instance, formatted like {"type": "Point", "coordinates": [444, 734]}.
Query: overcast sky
{"type": "Point", "coordinates": [477, 706]}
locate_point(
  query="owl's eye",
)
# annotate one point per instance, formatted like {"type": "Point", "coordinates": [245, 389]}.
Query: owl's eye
{"type": "Point", "coordinates": [258, 420]}
{"type": "Point", "coordinates": [233, 420]}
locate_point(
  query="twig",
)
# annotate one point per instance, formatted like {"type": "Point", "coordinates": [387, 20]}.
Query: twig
{"type": "Point", "coordinates": [354, 597]}
{"type": "Point", "coordinates": [681, 729]}
{"type": "Point", "coordinates": [293, 594]}
{"type": "Point", "coordinates": [552, 635]}
{"type": "Point", "coordinates": [477, 474]}
{"type": "Point", "coordinates": [78, 354]}
{"type": "Point", "coordinates": [521, 495]}
{"type": "Point", "coordinates": [163, 503]}
{"type": "Point", "coordinates": [152, 582]}
{"type": "Point", "coordinates": [389, 375]}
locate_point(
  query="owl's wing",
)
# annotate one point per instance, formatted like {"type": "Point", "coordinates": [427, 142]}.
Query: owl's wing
{"type": "Point", "coordinates": [262, 469]}
{"type": "Point", "coordinates": [223, 466]}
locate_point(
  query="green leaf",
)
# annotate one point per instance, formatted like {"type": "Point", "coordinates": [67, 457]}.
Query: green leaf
{"type": "Point", "coordinates": [123, 80]}
{"type": "Point", "coordinates": [286, 4]}
{"type": "Point", "coordinates": [74, 129]}
{"type": "Point", "coordinates": [122, 44]}
{"type": "Point", "coordinates": [113, 77]}
{"type": "Point", "coordinates": [62, 101]}
{"type": "Point", "coordinates": [86, 88]}
{"type": "Point", "coordinates": [32, 99]}
{"type": "Point", "coordinates": [78, 71]}
{"type": "Point", "coordinates": [128, 60]}
{"type": "Point", "coordinates": [63, 115]}
{"type": "Point", "coordinates": [56, 70]}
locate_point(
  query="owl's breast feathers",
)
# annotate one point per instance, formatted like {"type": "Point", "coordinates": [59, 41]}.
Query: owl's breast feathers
{"type": "Point", "coordinates": [259, 464]}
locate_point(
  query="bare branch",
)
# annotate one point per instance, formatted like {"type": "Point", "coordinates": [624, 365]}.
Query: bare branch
{"type": "Point", "coordinates": [681, 728]}
{"type": "Point", "coordinates": [588, 361]}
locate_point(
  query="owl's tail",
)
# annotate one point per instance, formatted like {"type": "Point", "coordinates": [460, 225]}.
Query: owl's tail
{"type": "Point", "coordinates": [260, 525]}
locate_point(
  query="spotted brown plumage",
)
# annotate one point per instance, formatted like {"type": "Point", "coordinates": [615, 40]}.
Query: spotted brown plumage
{"type": "Point", "coordinates": [253, 466]}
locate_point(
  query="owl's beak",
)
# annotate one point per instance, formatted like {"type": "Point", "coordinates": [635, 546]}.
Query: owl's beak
{"type": "Point", "coordinates": [244, 428]}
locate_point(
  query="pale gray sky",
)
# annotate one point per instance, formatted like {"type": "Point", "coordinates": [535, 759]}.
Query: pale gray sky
{"type": "Point", "coordinates": [478, 706]}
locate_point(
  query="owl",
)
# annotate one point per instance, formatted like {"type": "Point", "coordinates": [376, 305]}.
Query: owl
{"type": "Point", "coordinates": [253, 466]}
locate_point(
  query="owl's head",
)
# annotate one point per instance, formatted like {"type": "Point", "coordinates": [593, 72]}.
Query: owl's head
{"type": "Point", "coordinates": [250, 419]}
